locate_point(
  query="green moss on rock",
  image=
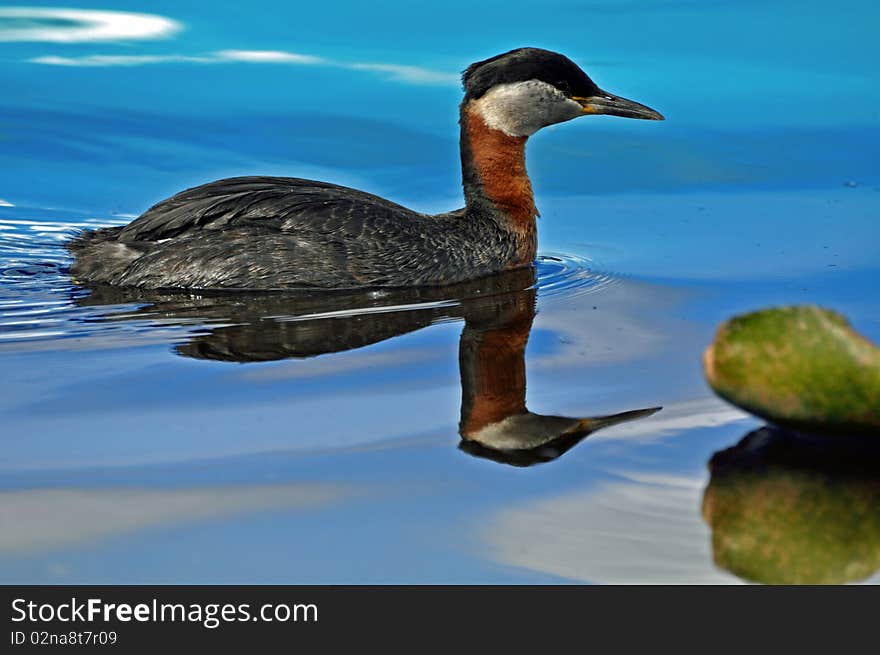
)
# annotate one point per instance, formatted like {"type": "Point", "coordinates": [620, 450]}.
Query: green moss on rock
{"type": "Point", "coordinates": [801, 367]}
{"type": "Point", "coordinates": [783, 511]}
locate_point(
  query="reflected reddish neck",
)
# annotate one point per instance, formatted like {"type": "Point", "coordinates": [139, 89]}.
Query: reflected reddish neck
{"type": "Point", "coordinates": [497, 371]}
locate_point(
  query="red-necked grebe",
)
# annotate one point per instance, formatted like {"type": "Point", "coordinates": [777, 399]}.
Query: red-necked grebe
{"type": "Point", "coordinates": [279, 232]}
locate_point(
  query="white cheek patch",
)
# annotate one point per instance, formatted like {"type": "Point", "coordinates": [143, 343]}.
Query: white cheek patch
{"type": "Point", "coordinates": [523, 108]}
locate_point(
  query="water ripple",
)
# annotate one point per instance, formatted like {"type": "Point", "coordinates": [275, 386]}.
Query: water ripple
{"type": "Point", "coordinates": [40, 306]}
{"type": "Point", "coordinates": [570, 275]}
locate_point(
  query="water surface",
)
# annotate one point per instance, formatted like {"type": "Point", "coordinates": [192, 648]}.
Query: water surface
{"type": "Point", "coordinates": [252, 438]}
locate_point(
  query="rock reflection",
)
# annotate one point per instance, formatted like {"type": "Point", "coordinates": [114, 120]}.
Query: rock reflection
{"type": "Point", "coordinates": [787, 509]}
{"type": "Point", "coordinates": [498, 312]}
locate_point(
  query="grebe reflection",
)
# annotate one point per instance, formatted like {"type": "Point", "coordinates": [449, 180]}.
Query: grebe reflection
{"type": "Point", "coordinates": [498, 312]}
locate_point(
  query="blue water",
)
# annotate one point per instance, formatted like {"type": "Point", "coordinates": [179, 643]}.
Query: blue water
{"type": "Point", "coordinates": [127, 460]}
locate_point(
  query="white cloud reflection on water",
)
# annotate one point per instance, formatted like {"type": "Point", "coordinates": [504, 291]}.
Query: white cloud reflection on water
{"type": "Point", "coordinates": [330, 365]}
{"type": "Point", "coordinates": [46, 519]}
{"type": "Point", "coordinates": [674, 419]}
{"type": "Point", "coordinates": [621, 320]}
{"type": "Point", "coordinates": [50, 25]}
{"type": "Point", "coordinates": [394, 72]}
{"type": "Point", "coordinates": [643, 530]}
{"type": "Point", "coordinates": [62, 25]}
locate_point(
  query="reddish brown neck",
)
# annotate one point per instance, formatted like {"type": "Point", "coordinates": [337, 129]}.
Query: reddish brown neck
{"type": "Point", "coordinates": [494, 170]}
{"type": "Point", "coordinates": [493, 374]}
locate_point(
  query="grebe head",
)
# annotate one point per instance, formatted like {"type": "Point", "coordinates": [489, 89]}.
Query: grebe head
{"type": "Point", "coordinates": [523, 90]}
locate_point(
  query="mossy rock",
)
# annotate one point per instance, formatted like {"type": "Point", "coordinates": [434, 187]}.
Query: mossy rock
{"type": "Point", "coordinates": [801, 367]}
{"type": "Point", "coordinates": [788, 512]}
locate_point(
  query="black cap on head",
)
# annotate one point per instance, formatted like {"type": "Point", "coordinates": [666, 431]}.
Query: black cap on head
{"type": "Point", "coordinates": [527, 64]}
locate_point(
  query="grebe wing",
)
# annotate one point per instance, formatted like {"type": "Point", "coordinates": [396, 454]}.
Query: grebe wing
{"type": "Point", "coordinates": [284, 204]}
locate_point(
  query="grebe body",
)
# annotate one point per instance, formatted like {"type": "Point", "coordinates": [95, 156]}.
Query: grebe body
{"type": "Point", "coordinates": [283, 233]}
